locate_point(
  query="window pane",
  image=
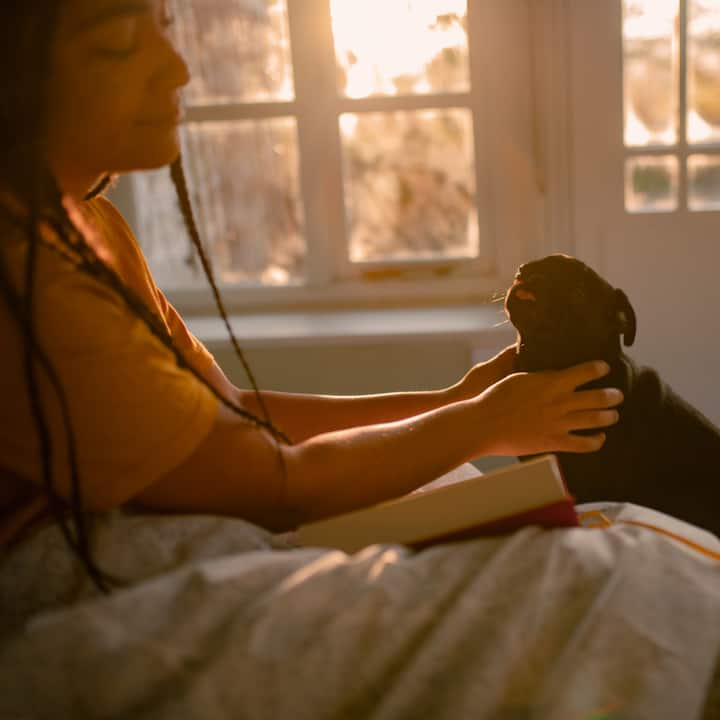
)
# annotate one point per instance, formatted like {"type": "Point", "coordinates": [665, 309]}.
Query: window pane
{"type": "Point", "coordinates": [245, 190]}
{"type": "Point", "coordinates": [400, 47]}
{"type": "Point", "coordinates": [237, 50]}
{"type": "Point", "coordinates": [161, 231]}
{"type": "Point", "coordinates": [651, 184]}
{"type": "Point", "coordinates": [704, 182]}
{"type": "Point", "coordinates": [650, 71]}
{"type": "Point", "coordinates": [703, 118]}
{"type": "Point", "coordinates": [409, 184]}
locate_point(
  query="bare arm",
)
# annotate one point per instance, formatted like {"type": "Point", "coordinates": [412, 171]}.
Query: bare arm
{"type": "Point", "coordinates": [303, 416]}
{"type": "Point", "coordinates": [238, 470]}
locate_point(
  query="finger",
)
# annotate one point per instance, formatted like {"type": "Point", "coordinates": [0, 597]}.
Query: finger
{"type": "Point", "coordinates": [580, 374]}
{"type": "Point", "coordinates": [596, 399]}
{"type": "Point", "coordinates": [583, 443]}
{"type": "Point", "coordinates": [591, 419]}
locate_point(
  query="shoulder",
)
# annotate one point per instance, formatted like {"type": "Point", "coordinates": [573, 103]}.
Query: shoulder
{"type": "Point", "coordinates": [102, 204]}
{"type": "Point", "coordinates": [112, 238]}
{"type": "Point", "coordinates": [104, 213]}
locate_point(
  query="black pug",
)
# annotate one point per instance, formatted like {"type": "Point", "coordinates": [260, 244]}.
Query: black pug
{"type": "Point", "coordinates": [662, 453]}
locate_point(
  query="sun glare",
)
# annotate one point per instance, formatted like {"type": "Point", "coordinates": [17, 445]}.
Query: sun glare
{"type": "Point", "coordinates": [650, 18]}
{"type": "Point", "coordinates": [385, 46]}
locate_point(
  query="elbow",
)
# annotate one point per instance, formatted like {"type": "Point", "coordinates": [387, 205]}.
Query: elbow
{"type": "Point", "coordinates": [292, 506]}
{"type": "Point", "coordinates": [310, 489]}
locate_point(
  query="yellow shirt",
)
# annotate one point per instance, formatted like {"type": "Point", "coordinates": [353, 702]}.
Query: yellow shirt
{"type": "Point", "coordinates": [135, 414]}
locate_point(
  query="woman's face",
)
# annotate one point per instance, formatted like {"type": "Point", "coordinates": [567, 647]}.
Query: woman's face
{"type": "Point", "coordinates": [114, 90]}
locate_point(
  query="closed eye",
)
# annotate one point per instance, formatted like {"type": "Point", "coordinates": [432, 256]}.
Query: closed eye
{"type": "Point", "coordinates": [116, 37]}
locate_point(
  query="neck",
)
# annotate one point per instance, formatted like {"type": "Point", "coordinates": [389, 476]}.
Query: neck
{"type": "Point", "coordinates": [79, 188]}
{"type": "Point", "coordinates": [74, 182]}
{"type": "Point", "coordinates": [535, 354]}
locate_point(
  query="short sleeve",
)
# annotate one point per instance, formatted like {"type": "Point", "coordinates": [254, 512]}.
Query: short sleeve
{"type": "Point", "coordinates": [135, 414]}
{"type": "Point", "coordinates": [129, 262]}
{"type": "Point", "coordinates": [192, 349]}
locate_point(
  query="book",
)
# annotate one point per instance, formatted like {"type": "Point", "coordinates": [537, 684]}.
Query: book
{"type": "Point", "coordinates": [531, 492]}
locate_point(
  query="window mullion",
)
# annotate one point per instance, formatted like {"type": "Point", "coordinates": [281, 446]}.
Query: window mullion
{"type": "Point", "coordinates": [551, 60]}
{"type": "Point", "coordinates": [682, 104]}
{"type": "Point", "coordinates": [318, 136]}
{"type": "Point", "coordinates": [480, 65]}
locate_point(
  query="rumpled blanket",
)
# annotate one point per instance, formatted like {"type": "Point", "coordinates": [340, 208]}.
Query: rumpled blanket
{"type": "Point", "coordinates": [221, 619]}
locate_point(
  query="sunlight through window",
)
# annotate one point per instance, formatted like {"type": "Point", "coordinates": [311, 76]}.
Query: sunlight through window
{"type": "Point", "coordinates": [672, 104]}
{"type": "Point", "coordinates": [400, 47]}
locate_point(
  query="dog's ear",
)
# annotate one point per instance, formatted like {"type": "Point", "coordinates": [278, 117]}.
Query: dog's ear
{"type": "Point", "coordinates": [627, 321]}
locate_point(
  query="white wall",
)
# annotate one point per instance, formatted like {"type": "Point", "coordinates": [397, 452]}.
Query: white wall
{"type": "Point", "coordinates": [353, 369]}
{"type": "Point", "coordinates": [668, 264]}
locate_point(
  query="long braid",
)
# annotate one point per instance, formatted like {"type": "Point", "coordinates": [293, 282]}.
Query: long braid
{"type": "Point", "coordinates": [27, 39]}
{"type": "Point", "coordinates": [74, 249]}
{"type": "Point", "coordinates": [33, 352]}
{"type": "Point", "coordinates": [27, 36]}
{"type": "Point", "coordinates": [179, 179]}
{"type": "Point", "coordinates": [22, 308]}
{"type": "Point", "coordinates": [100, 187]}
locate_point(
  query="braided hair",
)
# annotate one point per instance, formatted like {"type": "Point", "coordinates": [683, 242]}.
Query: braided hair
{"type": "Point", "coordinates": [26, 36]}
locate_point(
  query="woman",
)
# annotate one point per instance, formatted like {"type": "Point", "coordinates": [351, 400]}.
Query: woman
{"type": "Point", "coordinates": [111, 82]}
{"type": "Point", "coordinates": [110, 402]}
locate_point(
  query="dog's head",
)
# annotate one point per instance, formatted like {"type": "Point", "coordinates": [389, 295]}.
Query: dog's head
{"type": "Point", "coordinates": [565, 313]}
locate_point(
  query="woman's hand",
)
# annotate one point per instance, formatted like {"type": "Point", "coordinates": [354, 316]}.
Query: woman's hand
{"type": "Point", "coordinates": [528, 413]}
{"type": "Point", "coordinates": [480, 377]}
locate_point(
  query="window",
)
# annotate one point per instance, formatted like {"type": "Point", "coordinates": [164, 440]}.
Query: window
{"type": "Point", "coordinates": [671, 52]}
{"type": "Point", "coordinates": [338, 147]}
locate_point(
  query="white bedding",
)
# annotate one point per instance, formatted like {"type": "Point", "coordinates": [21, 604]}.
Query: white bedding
{"type": "Point", "coordinates": [223, 621]}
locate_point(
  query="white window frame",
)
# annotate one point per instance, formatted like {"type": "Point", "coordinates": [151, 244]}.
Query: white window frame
{"type": "Point", "coordinates": [519, 101]}
{"type": "Point", "coordinates": [681, 149]}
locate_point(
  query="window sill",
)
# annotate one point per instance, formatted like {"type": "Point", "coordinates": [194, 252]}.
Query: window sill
{"type": "Point", "coordinates": [478, 325]}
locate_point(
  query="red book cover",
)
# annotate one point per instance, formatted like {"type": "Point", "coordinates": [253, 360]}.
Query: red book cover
{"type": "Point", "coordinates": [559, 514]}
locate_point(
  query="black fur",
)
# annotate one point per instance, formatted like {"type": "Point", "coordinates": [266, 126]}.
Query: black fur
{"type": "Point", "coordinates": [662, 453]}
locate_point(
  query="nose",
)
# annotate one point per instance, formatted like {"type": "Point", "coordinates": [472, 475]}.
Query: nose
{"type": "Point", "coordinates": [172, 71]}
{"type": "Point", "coordinates": [178, 73]}
{"type": "Point", "coordinates": [528, 267]}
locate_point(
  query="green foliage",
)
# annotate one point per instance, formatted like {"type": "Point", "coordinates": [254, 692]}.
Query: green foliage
{"type": "Point", "coordinates": [706, 182]}
{"type": "Point", "coordinates": [651, 181]}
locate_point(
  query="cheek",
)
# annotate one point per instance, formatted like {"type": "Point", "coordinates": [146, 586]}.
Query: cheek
{"type": "Point", "coordinates": [111, 135]}
{"type": "Point", "coordinates": [94, 119]}
{"type": "Point", "coordinates": [110, 108]}
{"type": "Point", "coordinates": [90, 116]}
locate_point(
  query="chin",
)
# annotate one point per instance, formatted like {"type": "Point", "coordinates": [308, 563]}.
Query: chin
{"type": "Point", "coordinates": [161, 149]}
{"type": "Point", "coordinates": [151, 159]}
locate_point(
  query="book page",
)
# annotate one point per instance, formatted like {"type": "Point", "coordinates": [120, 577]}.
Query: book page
{"type": "Point", "coordinates": [459, 474]}
{"type": "Point", "coordinates": [437, 511]}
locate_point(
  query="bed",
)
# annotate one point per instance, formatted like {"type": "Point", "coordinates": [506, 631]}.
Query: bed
{"type": "Point", "coordinates": [219, 618]}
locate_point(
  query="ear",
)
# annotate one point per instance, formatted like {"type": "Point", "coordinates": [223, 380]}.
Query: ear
{"type": "Point", "coordinates": [627, 321]}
